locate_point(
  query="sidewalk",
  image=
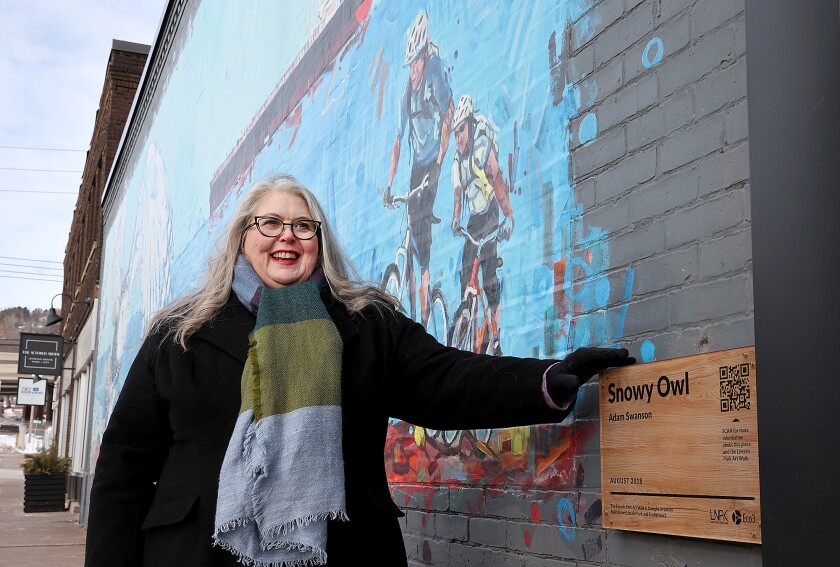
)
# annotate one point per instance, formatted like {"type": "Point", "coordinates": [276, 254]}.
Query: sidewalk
{"type": "Point", "coordinates": [43, 538]}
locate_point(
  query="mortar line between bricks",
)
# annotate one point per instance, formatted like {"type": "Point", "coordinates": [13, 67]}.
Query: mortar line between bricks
{"type": "Point", "coordinates": [622, 18]}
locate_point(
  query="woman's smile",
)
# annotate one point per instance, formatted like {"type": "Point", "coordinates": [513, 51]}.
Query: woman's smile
{"type": "Point", "coordinates": [285, 257]}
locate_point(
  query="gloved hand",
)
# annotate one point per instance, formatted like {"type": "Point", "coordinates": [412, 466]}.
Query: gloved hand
{"type": "Point", "coordinates": [456, 226]}
{"type": "Point", "coordinates": [506, 228]}
{"type": "Point", "coordinates": [388, 198]}
{"type": "Point", "coordinates": [563, 379]}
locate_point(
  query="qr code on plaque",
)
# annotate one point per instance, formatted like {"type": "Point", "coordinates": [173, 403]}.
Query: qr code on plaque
{"type": "Point", "coordinates": [735, 387]}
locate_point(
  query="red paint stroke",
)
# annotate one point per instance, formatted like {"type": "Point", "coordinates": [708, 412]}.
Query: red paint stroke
{"type": "Point", "coordinates": [427, 492]}
{"type": "Point", "coordinates": [471, 499]}
{"type": "Point", "coordinates": [315, 86]}
{"type": "Point", "coordinates": [423, 520]}
{"type": "Point", "coordinates": [527, 538]}
{"type": "Point", "coordinates": [381, 89]}
{"type": "Point", "coordinates": [356, 41]}
{"type": "Point", "coordinates": [363, 10]}
{"type": "Point", "coordinates": [566, 518]}
{"type": "Point", "coordinates": [379, 62]}
{"type": "Point", "coordinates": [559, 293]}
{"type": "Point", "coordinates": [294, 121]}
{"type": "Point", "coordinates": [535, 512]}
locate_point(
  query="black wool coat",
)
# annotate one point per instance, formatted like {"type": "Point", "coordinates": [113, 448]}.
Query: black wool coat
{"type": "Point", "coordinates": [153, 498]}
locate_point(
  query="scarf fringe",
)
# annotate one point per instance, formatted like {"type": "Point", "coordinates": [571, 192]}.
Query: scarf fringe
{"type": "Point", "coordinates": [321, 558]}
{"type": "Point", "coordinates": [289, 527]}
{"type": "Point", "coordinates": [231, 525]}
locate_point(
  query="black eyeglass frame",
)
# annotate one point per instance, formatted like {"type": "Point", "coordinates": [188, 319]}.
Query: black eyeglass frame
{"type": "Point", "coordinates": [291, 225]}
{"type": "Point", "coordinates": [256, 224]}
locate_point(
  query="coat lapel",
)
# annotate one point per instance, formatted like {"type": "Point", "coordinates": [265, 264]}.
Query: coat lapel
{"type": "Point", "coordinates": [228, 331]}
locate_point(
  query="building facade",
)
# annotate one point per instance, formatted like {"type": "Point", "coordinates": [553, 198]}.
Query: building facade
{"type": "Point", "coordinates": [620, 128]}
{"type": "Point", "coordinates": [82, 257]}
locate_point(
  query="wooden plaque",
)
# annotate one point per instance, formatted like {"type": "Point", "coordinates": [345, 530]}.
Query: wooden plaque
{"type": "Point", "coordinates": [679, 447]}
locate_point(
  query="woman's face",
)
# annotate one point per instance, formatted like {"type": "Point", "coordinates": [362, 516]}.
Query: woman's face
{"type": "Point", "coordinates": [282, 260]}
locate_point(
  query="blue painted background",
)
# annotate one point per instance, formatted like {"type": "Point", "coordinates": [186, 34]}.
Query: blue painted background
{"type": "Point", "coordinates": [162, 229]}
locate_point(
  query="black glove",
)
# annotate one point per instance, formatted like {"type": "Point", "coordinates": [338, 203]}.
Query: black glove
{"type": "Point", "coordinates": [388, 198]}
{"type": "Point", "coordinates": [577, 368]}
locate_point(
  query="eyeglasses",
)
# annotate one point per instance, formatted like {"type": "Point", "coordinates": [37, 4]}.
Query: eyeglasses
{"type": "Point", "coordinates": [273, 227]}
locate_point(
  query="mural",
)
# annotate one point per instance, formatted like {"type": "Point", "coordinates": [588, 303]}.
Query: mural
{"type": "Point", "coordinates": [437, 136]}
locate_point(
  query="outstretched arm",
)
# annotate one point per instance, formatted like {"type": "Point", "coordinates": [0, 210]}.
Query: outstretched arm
{"type": "Point", "coordinates": [445, 130]}
{"type": "Point", "coordinates": [500, 186]}
{"type": "Point", "coordinates": [395, 160]}
{"type": "Point", "coordinates": [456, 212]}
{"type": "Point", "coordinates": [446, 388]}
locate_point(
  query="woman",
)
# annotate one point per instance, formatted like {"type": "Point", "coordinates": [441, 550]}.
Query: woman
{"type": "Point", "coordinates": [271, 452]}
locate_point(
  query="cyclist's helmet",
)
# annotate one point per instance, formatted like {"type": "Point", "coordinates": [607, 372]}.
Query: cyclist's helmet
{"type": "Point", "coordinates": [418, 36]}
{"type": "Point", "coordinates": [464, 110]}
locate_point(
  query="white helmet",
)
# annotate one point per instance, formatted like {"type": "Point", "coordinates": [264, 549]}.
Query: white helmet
{"type": "Point", "coordinates": [418, 36]}
{"type": "Point", "coordinates": [464, 110]}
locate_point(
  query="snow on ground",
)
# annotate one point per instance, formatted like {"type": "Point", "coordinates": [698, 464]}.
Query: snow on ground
{"type": "Point", "coordinates": [7, 443]}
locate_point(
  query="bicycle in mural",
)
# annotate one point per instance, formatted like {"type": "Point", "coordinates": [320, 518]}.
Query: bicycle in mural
{"type": "Point", "coordinates": [398, 279]}
{"type": "Point", "coordinates": [473, 325]}
{"type": "Point", "coordinates": [457, 442]}
{"type": "Point", "coordinates": [475, 331]}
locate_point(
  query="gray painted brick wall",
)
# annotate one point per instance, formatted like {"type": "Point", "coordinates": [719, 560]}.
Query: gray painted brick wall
{"type": "Point", "coordinates": [667, 178]}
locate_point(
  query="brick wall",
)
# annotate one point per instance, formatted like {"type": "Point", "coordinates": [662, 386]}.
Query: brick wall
{"type": "Point", "coordinates": [666, 175]}
{"type": "Point", "coordinates": [83, 251]}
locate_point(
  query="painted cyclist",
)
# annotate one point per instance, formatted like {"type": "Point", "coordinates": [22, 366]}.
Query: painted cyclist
{"type": "Point", "coordinates": [478, 180]}
{"type": "Point", "coordinates": [426, 109]}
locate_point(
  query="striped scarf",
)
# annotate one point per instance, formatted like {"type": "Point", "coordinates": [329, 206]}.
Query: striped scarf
{"type": "Point", "coordinates": [283, 474]}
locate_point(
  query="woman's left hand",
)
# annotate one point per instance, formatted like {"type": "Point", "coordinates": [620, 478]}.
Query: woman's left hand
{"type": "Point", "coordinates": [586, 362]}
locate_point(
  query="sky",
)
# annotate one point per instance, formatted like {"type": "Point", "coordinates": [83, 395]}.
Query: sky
{"type": "Point", "coordinates": [53, 57]}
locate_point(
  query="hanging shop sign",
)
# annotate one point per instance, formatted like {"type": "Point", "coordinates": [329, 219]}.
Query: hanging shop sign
{"type": "Point", "coordinates": [40, 354]}
{"type": "Point", "coordinates": [679, 447]}
{"type": "Point", "coordinates": [32, 392]}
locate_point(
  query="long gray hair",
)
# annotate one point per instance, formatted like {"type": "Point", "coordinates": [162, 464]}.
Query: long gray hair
{"type": "Point", "coordinates": [189, 313]}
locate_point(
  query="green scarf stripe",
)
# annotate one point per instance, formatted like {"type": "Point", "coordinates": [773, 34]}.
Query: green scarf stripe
{"type": "Point", "coordinates": [286, 314]}
{"type": "Point", "coordinates": [250, 384]}
{"type": "Point", "coordinates": [306, 362]}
